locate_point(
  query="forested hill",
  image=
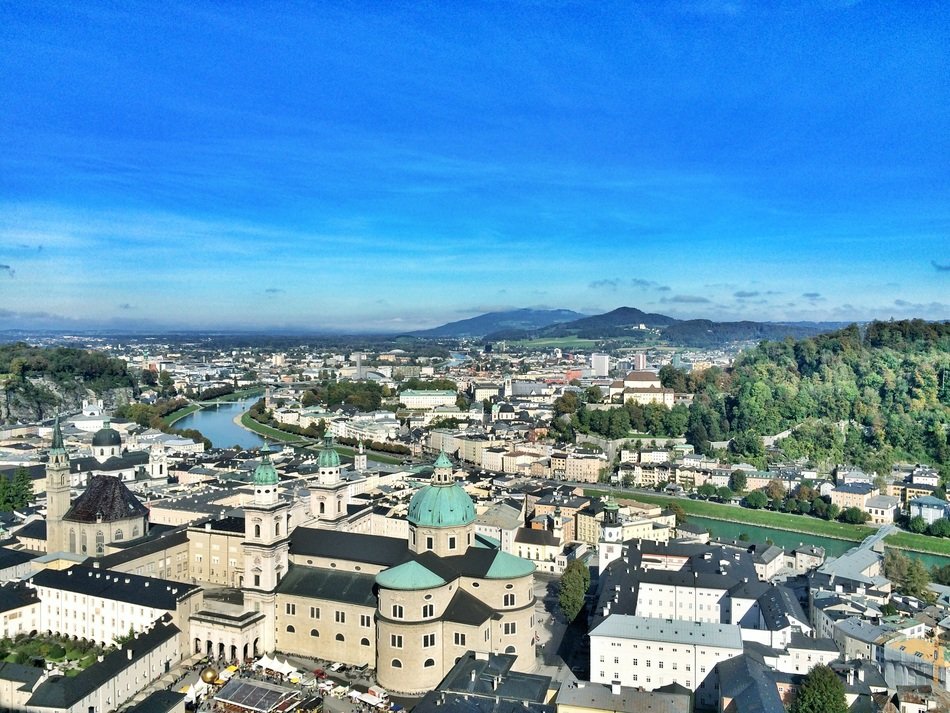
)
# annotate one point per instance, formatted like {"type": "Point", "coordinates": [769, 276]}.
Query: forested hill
{"type": "Point", "coordinates": [870, 398]}
{"type": "Point", "coordinates": [35, 382]}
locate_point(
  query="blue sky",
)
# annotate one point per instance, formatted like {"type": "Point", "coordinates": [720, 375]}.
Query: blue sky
{"type": "Point", "coordinates": [367, 165]}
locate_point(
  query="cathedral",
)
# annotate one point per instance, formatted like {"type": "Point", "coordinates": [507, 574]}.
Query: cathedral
{"type": "Point", "coordinates": [409, 607]}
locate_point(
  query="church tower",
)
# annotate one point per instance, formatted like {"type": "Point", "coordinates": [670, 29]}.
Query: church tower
{"type": "Point", "coordinates": [266, 543]}
{"type": "Point", "coordinates": [329, 496]}
{"type": "Point", "coordinates": [359, 460]}
{"type": "Point", "coordinates": [610, 543]}
{"type": "Point", "coordinates": [57, 492]}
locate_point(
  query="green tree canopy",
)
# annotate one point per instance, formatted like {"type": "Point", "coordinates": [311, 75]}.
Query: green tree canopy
{"type": "Point", "coordinates": [821, 691]}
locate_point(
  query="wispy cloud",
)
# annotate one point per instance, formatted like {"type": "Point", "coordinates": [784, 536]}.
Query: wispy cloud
{"type": "Point", "coordinates": [745, 294]}
{"type": "Point", "coordinates": [273, 290]}
{"type": "Point", "coordinates": [8, 270]}
{"type": "Point", "coordinates": [126, 306]}
{"type": "Point", "coordinates": [940, 268]}
{"type": "Point", "coordinates": [813, 296]}
{"type": "Point", "coordinates": [611, 285]}
{"type": "Point", "coordinates": [686, 300]}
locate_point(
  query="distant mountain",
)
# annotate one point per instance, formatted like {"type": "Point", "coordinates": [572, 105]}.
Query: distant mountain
{"type": "Point", "coordinates": [515, 320]}
{"type": "Point", "coordinates": [626, 321]}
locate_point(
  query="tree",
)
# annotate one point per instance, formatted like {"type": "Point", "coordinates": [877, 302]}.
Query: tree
{"type": "Point", "coordinates": [775, 490]}
{"type": "Point", "coordinates": [149, 378]}
{"type": "Point", "coordinates": [756, 500]}
{"type": "Point", "coordinates": [706, 490]}
{"type": "Point", "coordinates": [724, 493]}
{"type": "Point", "coordinates": [572, 588]}
{"type": "Point", "coordinates": [678, 511]}
{"type": "Point", "coordinates": [908, 574]}
{"type": "Point", "coordinates": [939, 528]}
{"type": "Point", "coordinates": [821, 691]}
{"type": "Point", "coordinates": [738, 481]}
{"type": "Point", "coordinates": [854, 516]}
{"type": "Point", "coordinates": [917, 525]}
{"type": "Point", "coordinates": [21, 489]}
{"type": "Point", "coordinates": [593, 395]}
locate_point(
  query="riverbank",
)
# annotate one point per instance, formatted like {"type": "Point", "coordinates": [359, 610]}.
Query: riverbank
{"type": "Point", "coordinates": [802, 524]}
{"type": "Point", "coordinates": [178, 415]}
{"type": "Point", "coordinates": [246, 421]}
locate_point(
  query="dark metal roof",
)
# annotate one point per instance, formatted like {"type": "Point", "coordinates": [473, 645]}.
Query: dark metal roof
{"type": "Point", "coordinates": [357, 547]}
{"type": "Point", "coordinates": [349, 587]}
{"type": "Point", "coordinates": [106, 498]}
{"type": "Point", "coordinates": [132, 588]}
{"type": "Point", "coordinates": [466, 609]}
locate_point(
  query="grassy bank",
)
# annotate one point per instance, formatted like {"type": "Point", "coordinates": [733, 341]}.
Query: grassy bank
{"type": "Point", "coordinates": [239, 395]}
{"type": "Point", "coordinates": [764, 518]}
{"type": "Point", "coordinates": [919, 543]}
{"type": "Point", "coordinates": [180, 414]}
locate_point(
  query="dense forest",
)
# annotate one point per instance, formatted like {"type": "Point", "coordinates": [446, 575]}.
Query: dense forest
{"type": "Point", "coordinates": [868, 399]}
{"type": "Point", "coordinates": [64, 365]}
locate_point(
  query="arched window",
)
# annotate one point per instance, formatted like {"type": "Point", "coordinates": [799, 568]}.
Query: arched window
{"type": "Point", "coordinates": [291, 629]}
{"type": "Point", "coordinates": [339, 637]}
{"type": "Point", "coordinates": [323, 508]}
{"type": "Point", "coordinates": [314, 633]}
{"type": "Point", "coordinates": [72, 540]}
{"type": "Point", "coordinates": [82, 542]}
{"type": "Point", "coordinates": [257, 531]}
{"type": "Point", "coordinates": [100, 542]}
{"type": "Point", "coordinates": [277, 529]}
{"type": "Point", "coordinates": [397, 663]}
{"type": "Point", "coordinates": [118, 535]}
{"type": "Point", "coordinates": [429, 663]}
{"type": "Point", "coordinates": [364, 642]}
{"type": "Point", "coordinates": [510, 650]}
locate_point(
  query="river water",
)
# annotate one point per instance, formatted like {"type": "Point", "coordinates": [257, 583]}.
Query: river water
{"type": "Point", "coordinates": [791, 540]}
{"type": "Point", "coordinates": [217, 424]}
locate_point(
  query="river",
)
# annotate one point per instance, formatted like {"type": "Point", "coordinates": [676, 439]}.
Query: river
{"type": "Point", "coordinates": [791, 540]}
{"type": "Point", "coordinates": [217, 424]}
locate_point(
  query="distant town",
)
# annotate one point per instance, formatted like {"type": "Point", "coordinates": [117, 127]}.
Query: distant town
{"type": "Point", "coordinates": [462, 524]}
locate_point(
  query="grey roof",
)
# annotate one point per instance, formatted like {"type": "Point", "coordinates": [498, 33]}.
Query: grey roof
{"type": "Point", "coordinates": [158, 702]}
{"type": "Point", "coordinates": [625, 626]}
{"type": "Point", "coordinates": [16, 595]}
{"type": "Point", "coordinates": [780, 609]}
{"type": "Point", "coordinates": [373, 549]}
{"type": "Point", "coordinates": [929, 501]}
{"type": "Point", "coordinates": [629, 700]}
{"type": "Point", "coordinates": [536, 537]}
{"type": "Point", "coordinates": [466, 609]}
{"type": "Point", "coordinates": [855, 488]}
{"type": "Point", "coordinates": [130, 588]}
{"type": "Point", "coordinates": [800, 641]}
{"type": "Point", "coordinates": [492, 676]}
{"type": "Point", "coordinates": [750, 686]}
{"type": "Point", "coordinates": [107, 498]}
{"type": "Point", "coordinates": [333, 585]}
{"type": "Point", "coordinates": [12, 558]}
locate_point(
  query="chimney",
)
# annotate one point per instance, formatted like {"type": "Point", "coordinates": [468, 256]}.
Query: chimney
{"type": "Point", "coordinates": [128, 654]}
{"type": "Point", "coordinates": [615, 687]}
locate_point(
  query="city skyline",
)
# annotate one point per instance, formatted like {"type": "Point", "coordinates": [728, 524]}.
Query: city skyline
{"type": "Point", "coordinates": [395, 167]}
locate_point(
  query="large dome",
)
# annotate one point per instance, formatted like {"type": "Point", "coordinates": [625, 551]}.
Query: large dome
{"type": "Point", "coordinates": [106, 437]}
{"type": "Point", "coordinates": [328, 458]}
{"type": "Point", "coordinates": [441, 506]}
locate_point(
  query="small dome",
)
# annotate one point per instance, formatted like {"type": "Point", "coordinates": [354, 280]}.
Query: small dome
{"type": "Point", "coordinates": [329, 458]}
{"type": "Point", "coordinates": [265, 473]}
{"type": "Point", "coordinates": [106, 437]}
{"type": "Point", "coordinates": [442, 461]}
{"type": "Point", "coordinates": [441, 506]}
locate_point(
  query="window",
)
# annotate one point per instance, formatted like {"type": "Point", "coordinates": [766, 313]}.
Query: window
{"type": "Point", "coordinates": [314, 612]}
{"type": "Point", "coordinates": [291, 609]}
{"type": "Point", "coordinates": [340, 617]}
{"type": "Point", "coordinates": [366, 620]}
{"type": "Point", "coordinates": [395, 640]}
{"type": "Point", "coordinates": [459, 639]}
{"type": "Point", "coordinates": [509, 600]}
{"type": "Point", "coordinates": [451, 543]}
{"type": "Point", "coordinates": [397, 611]}
{"type": "Point", "coordinates": [118, 535]}
{"type": "Point", "coordinates": [314, 633]}
{"type": "Point", "coordinates": [290, 629]}
{"type": "Point", "coordinates": [339, 637]}
{"type": "Point", "coordinates": [257, 580]}
{"type": "Point", "coordinates": [277, 528]}
{"type": "Point", "coordinates": [428, 611]}
{"type": "Point", "coordinates": [429, 663]}
{"type": "Point", "coordinates": [364, 641]}
{"type": "Point", "coordinates": [510, 627]}
{"type": "Point", "coordinates": [429, 544]}
{"type": "Point", "coordinates": [428, 641]}
{"type": "Point", "coordinates": [660, 664]}
{"type": "Point", "coordinates": [257, 531]}
{"type": "Point", "coordinates": [397, 663]}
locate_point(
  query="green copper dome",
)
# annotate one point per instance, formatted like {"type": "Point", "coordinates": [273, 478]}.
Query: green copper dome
{"type": "Point", "coordinates": [441, 506]}
{"type": "Point", "coordinates": [329, 458]}
{"type": "Point", "coordinates": [265, 473]}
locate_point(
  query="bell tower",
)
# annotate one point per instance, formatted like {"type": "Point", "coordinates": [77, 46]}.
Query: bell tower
{"type": "Point", "coordinates": [266, 544]}
{"type": "Point", "coordinates": [57, 492]}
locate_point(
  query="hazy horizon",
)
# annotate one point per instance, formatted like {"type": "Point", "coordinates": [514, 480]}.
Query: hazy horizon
{"type": "Point", "coordinates": [394, 167]}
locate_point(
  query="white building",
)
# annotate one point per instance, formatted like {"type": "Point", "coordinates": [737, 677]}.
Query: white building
{"type": "Point", "coordinates": [426, 399]}
{"type": "Point", "coordinates": [650, 653]}
{"type": "Point", "coordinates": [600, 364]}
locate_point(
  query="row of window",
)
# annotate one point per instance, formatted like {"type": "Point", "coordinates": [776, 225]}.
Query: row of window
{"type": "Point", "coordinates": [316, 634]}
{"type": "Point", "coordinates": [428, 610]}
{"type": "Point", "coordinates": [339, 617]}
